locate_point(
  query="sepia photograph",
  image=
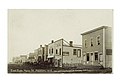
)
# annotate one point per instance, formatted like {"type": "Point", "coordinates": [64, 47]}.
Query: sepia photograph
{"type": "Point", "coordinates": [60, 41]}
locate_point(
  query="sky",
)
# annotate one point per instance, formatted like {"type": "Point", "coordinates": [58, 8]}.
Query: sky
{"type": "Point", "coordinates": [28, 29]}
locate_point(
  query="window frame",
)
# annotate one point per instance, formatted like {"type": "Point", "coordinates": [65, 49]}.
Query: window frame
{"type": "Point", "coordinates": [52, 51]}
{"type": "Point", "coordinates": [85, 43]}
{"type": "Point", "coordinates": [97, 56]}
{"type": "Point", "coordinates": [91, 56]}
{"type": "Point", "coordinates": [56, 51]}
{"type": "Point", "coordinates": [98, 40]}
{"type": "Point", "coordinates": [91, 41]}
{"type": "Point", "coordinates": [65, 53]}
{"type": "Point", "coordinates": [49, 51]}
{"type": "Point", "coordinates": [75, 52]}
{"type": "Point", "coordinates": [87, 57]}
{"type": "Point", "coordinates": [60, 51]}
{"type": "Point", "coordinates": [78, 53]}
{"type": "Point", "coordinates": [100, 55]}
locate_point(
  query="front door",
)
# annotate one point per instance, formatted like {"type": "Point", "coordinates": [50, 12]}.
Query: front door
{"type": "Point", "coordinates": [88, 58]}
{"type": "Point", "coordinates": [59, 62]}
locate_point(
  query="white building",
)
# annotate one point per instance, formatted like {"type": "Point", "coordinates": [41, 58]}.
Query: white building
{"type": "Point", "coordinates": [62, 53]}
{"type": "Point", "coordinates": [32, 58]}
{"type": "Point", "coordinates": [20, 60]}
{"type": "Point", "coordinates": [16, 60]}
{"type": "Point", "coordinates": [23, 58]}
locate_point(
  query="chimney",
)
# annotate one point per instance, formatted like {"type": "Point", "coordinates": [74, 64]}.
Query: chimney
{"type": "Point", "coordinates": [40, 46]}
{"type": "Point", "coordinates": [52, 41]}
{"type": "Point", "coordinates": [71, 43]}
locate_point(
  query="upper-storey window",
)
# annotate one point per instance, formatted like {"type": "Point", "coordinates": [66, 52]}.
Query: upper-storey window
{"type": "Point", "coordinates": [91, 43]}
{"type": "Point", "coordinates": [79, 53]}
{"type": "Point", "coordinates": [49, 51]}
{"type": "Point", "coordinates": [60, 51]}
{"type": "Point", "coordinates": [52, 50]}
{"type": "Point", "coordinates": [74, 51]}
{"type": "Point", "coordinates": [56, 51]}
{"type": "Point", "coordinates": [98, 40]}
{"type": "Point", "coordinates": [85, 43]}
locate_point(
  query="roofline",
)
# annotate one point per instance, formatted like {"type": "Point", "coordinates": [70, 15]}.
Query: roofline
{"type": "Point", "coordinates": [22, 55]}
{"type": "Point", "coordinates": [72, 46]}
{"type": "Point", "coordinates": [65, 45]}
{"type": "Point", "coordinates": [56, 41]}
{"type": "Point", "coordinates": [94, 30]}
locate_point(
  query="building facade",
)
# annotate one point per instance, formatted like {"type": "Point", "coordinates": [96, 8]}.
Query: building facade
{"type": "Point", "coordinates": [20, 60]}
{"type": "Point", "coordinates": [61, 53]}
{"type": "Point", "coordinates": [16, 60]}
{"type": "Point", "coordinates": [32, 58]}
{"type": "Point", "coordinates": [42, 53]}
{"type": "Point", "coordinates": [45, 52]}
{"type": "Point", "coordinates": [23, 58]}
{"type": "Point", "coordinates": [97, 47]}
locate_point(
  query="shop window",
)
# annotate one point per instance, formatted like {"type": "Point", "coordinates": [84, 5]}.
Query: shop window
{"type": "Point", "coordinates": [91, 57]}
{"type": "Point", "coordinates": [88, 58]}
{"type": "Point", "coordinates": [101, 57]}
{"type": "Point", "coordinates": [96, 56]}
